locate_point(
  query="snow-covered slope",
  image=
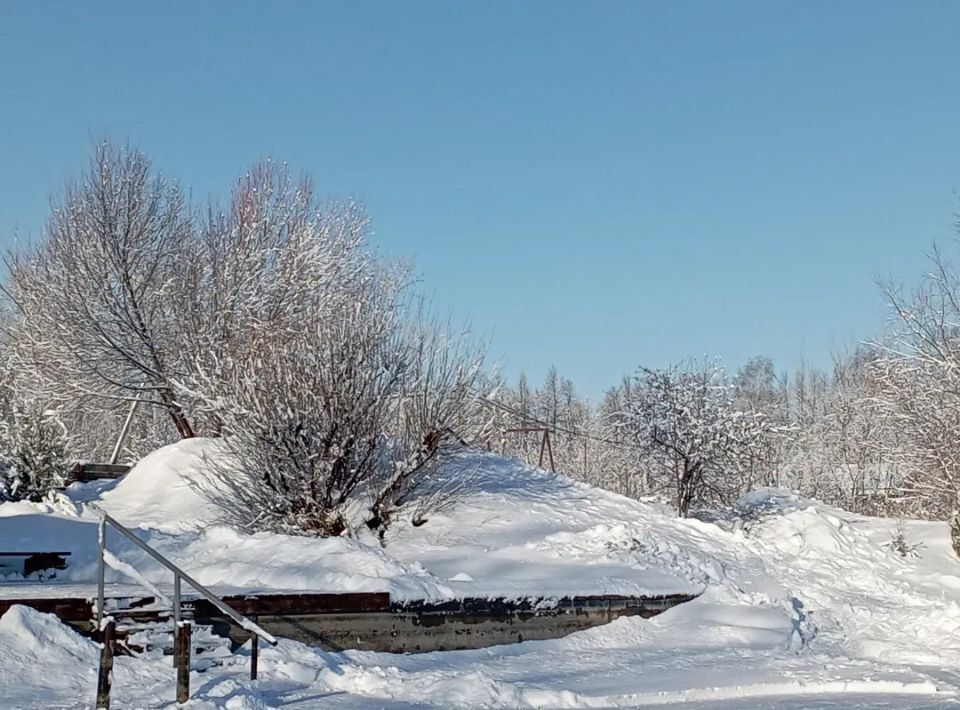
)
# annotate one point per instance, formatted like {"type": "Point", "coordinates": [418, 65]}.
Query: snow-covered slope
{"type": "Point", "coordinates": [516, 536]}
{"type": "Point", "coordinates": [804, 605]}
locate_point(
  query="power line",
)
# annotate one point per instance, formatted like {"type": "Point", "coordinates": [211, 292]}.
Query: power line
{"type": "Point", "coordinates": [528, 418]}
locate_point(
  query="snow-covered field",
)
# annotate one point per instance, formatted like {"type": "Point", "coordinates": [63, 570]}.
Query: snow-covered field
{"type": "Point", "coordinates": [804, 606]}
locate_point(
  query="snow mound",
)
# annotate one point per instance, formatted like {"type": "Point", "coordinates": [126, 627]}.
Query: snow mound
{"type": "Point", "coordinates": [770, 501]}
{"type": "Point", "coordinates": [160, 491]}
{"type": "Point", "coordinates": [160, 497]}
{"type": "Point", "coordinates": [39, 651]}
{"type": "Point", "coordinates": [802, 603]}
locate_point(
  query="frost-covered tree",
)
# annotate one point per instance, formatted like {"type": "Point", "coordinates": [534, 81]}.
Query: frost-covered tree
{"type": "Point", "coordinates": [303, 418]}
{"type": "Point", "coordinates": [919, 387]}
{"type": "Point", "coordinates": [618, 459]}
{"type": "Point", "coordinates": [96, 300]}
{"type": "Point", "coordinates": [698, 443]}
{"type": "Point", "coordinates": [336, 401]}
{"type": "Point", "coordinates": [759, 390]}
{"type": "Point", "coordinates": [34, 456]}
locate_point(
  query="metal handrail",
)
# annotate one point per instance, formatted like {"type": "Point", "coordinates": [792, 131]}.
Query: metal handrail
{"type": "Point", "coordinates": [178, 574]}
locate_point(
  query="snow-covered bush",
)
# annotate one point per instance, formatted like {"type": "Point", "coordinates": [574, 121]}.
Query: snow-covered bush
{"type": "Point", "coordinates": [335, 401]}
{"type": "Point", "coordinates": [898, 542]}
{"type": "Point", "coordinates": [304, 422]}
{"type": "Point", "coordinates": [33, 452]}
{"type": "Point", "coordinates": [690, 432]}
{"type": "Point", "coordinates": [436, 413]}
{"type": "Point", "coordinates": [328, 430]}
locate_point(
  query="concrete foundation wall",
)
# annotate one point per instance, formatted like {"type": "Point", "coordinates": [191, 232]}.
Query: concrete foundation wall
{"type": "Point", "coordinates": [421, 631]}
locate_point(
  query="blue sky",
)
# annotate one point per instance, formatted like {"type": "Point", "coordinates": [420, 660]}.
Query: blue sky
{"type": "Point", "coordinates": [597, 185]}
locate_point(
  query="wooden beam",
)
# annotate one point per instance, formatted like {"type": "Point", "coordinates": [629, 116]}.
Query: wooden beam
{"type": "Point", "coordinates": [105, 676]}
{"type": "Point", "coordinates": [181, 654]}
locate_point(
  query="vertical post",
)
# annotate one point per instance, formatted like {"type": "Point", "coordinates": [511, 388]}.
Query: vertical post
{"type": "Point", "coordinates": [254, 654]}
{"type": "Point", "coordinates": [176, 611]}
{"type": "Point", "coordinates": [176, 598]}
{"type": "Point", "coordinates": [121, 440]}
{"type": "Point", "coordinates": [105, 677]}
{"type": "Point", "coordinates": [181, 655]}
{"type": "Point", "coordinates": [101, 570]}
{"type": "Point", "coordinates": [550, 450]}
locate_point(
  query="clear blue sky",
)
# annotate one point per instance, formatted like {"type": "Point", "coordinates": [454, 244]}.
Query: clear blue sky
{"type": "Point", "coordinates": [593, 184]}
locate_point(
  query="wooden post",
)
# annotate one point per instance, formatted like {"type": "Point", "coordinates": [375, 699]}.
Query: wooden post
{"type": "Point", "coordinates": [104, 679]}
{"type": "Point", "coordinates": [550, 451]}
{"type": "Point", "coordinates": [181, 653]}
{"type": "Point", "coordinates": [254, 655]}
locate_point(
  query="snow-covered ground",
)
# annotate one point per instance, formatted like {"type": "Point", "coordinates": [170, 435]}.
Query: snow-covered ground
{"type": "Point", "coordinates": [804, 606]}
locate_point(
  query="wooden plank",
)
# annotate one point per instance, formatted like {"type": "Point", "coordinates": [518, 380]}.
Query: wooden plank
{"type": "Point", "coordinates": [281, 604]}
{"type": "Point", "coordinates": [65, 609]}
{"type": "Point", "coordinates": [86, 472]}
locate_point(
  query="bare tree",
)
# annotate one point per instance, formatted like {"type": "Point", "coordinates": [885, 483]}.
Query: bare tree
{"type": "Point", "coordinates": [438, 413]}
{"type": "Point", "coordinates": [337, 403]}
{"type": "Point", "coordinates": [920, 379]}
{"type": "Point", "coordinates": [303, 417]}
{"type": "Point", "coordinates": [97, 299]}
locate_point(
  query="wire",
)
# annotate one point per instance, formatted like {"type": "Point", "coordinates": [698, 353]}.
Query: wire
{"type": "Point", "coordinates": [528, 418]}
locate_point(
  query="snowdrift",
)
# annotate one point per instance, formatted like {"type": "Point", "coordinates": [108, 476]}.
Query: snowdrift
{"type": "Point", "coordinates": [39, 652]}
{"type": "Point", "coordinates": [160, 490]}
{"type": "Point", "coordinates": [800, 601]}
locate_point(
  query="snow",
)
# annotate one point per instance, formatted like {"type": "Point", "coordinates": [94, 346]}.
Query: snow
{"type": "Point", "coordinates": [803, 605]}
{"type": "Point", "coordinates": [525, 533]}
{"type": "Point", "coordinates": [39, 652]}
{"type": "Point", "coordinates": [157, 492]}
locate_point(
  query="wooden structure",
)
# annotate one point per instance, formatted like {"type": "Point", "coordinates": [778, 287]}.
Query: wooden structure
{"type": "Point", "coordinates": [86, 472]}
{"type": "Point", "coordinates": [545, 445]}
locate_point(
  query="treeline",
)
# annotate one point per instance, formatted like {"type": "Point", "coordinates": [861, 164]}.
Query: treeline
{"type": "Point", "coordinates": [878, 432]}
{"type": "Point", "coordinates": [340, 403]}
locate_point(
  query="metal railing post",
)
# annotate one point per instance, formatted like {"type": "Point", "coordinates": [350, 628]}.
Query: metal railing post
{"type": "Point", "coordinates": [101, 571]}
{"type": "Point", "coordinates": [241, 621]}
{"type": "Point", "coordinates": [182, 629]}
{"type": "Point", "coordinates": [176, 611]}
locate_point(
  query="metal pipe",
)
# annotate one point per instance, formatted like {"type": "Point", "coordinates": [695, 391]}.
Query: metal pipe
{"type": "Point", "coordinates": [101, 571]}
{"type": "Point", "coordinates": [176, 598]}
{"type": "Point", "coordinates": [122, 439]}
{"type": "Point", "coordinates": [200, 589]}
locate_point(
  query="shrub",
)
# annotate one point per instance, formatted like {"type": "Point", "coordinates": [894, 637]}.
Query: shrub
{"type": "Point", "coordinates": [898, 542]}
{"type": "Point", "coordinates": [33, 455]}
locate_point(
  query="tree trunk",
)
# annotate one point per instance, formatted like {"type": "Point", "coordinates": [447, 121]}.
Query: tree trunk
{"type": "Point", "coordinates": [180, 420]}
